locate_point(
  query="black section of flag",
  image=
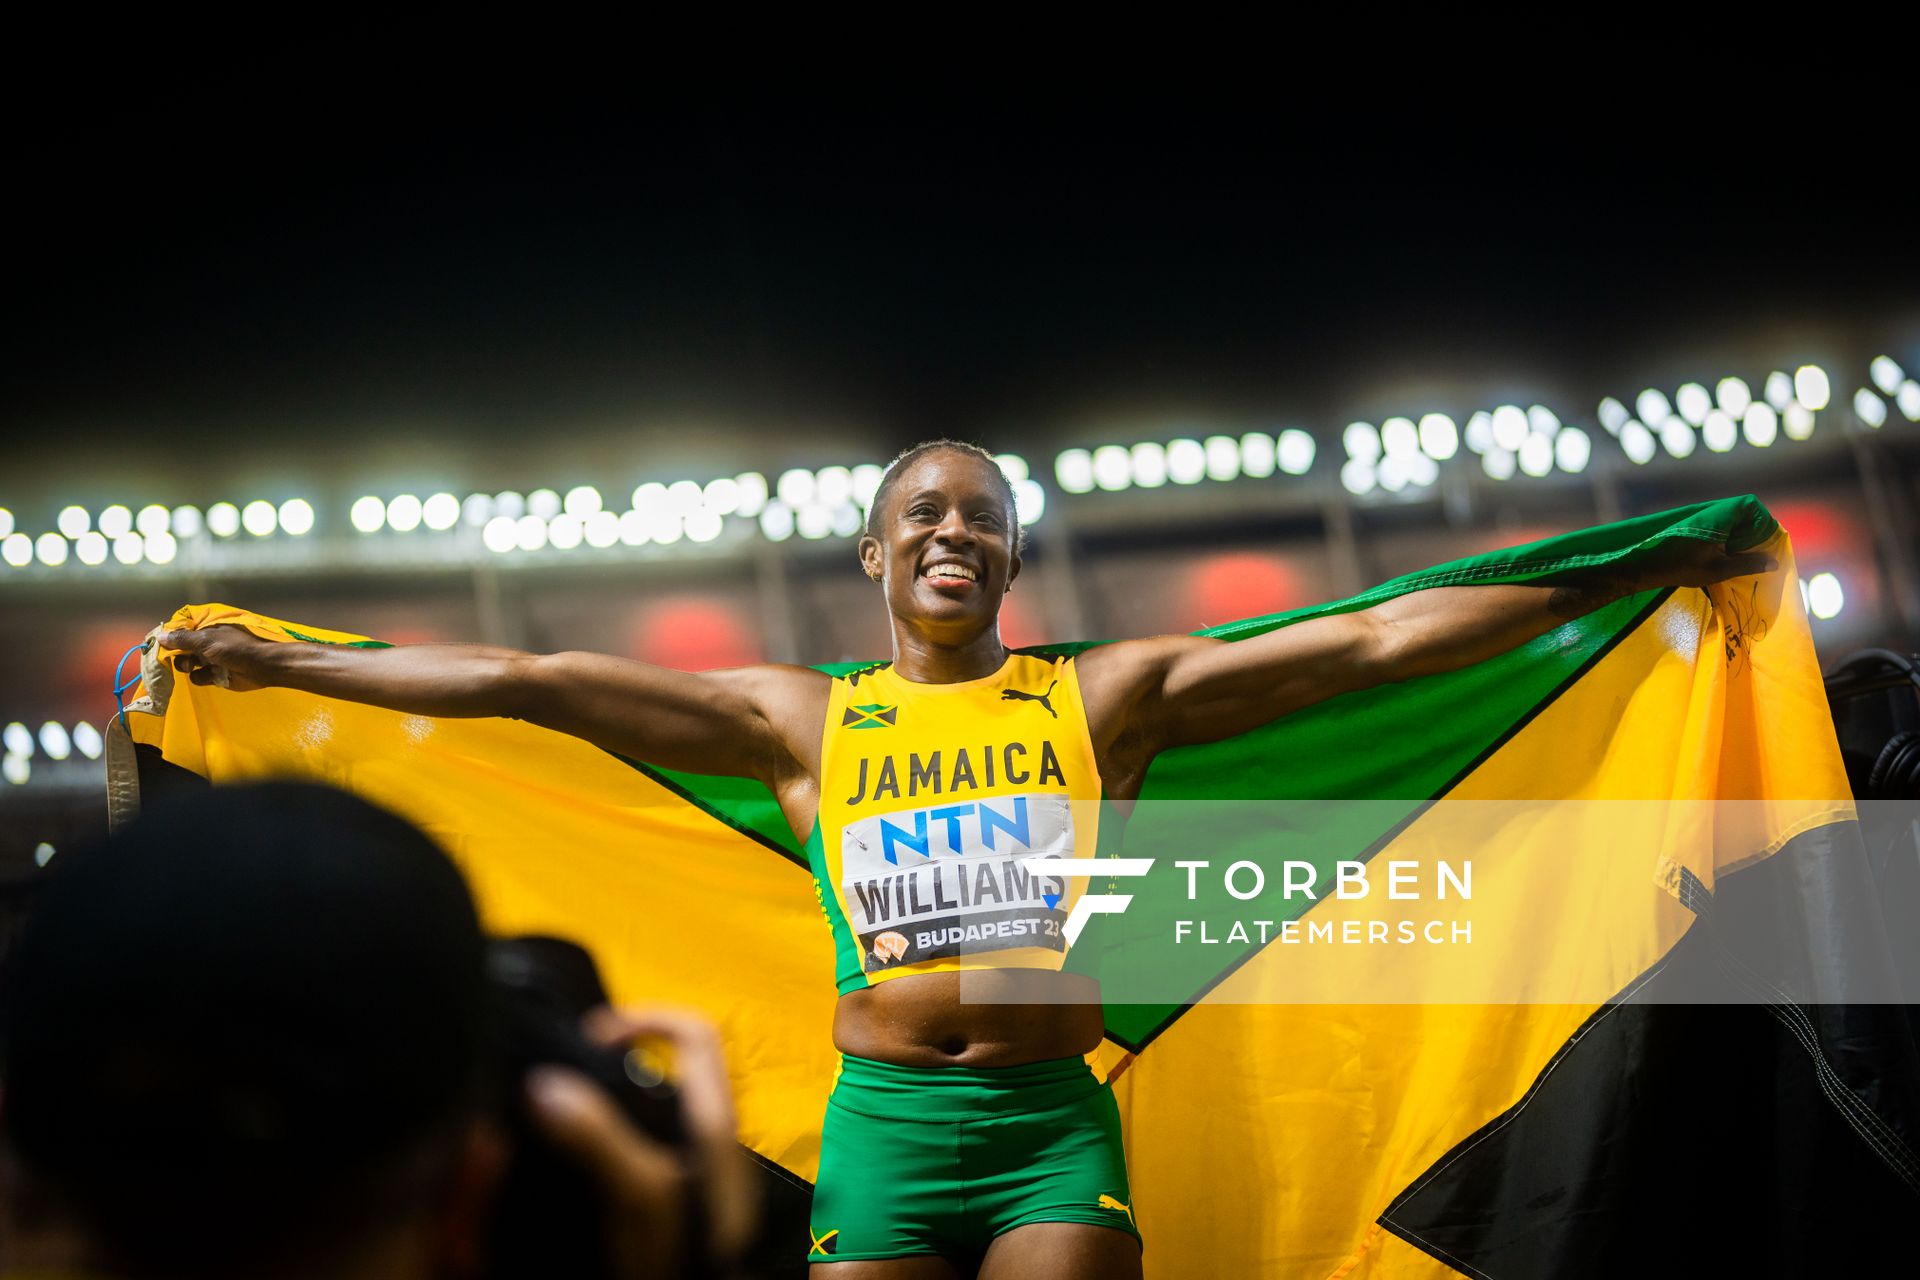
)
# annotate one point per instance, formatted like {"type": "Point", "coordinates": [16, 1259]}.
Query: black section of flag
{"type": "Point", "coordinates": [1777, 1139]}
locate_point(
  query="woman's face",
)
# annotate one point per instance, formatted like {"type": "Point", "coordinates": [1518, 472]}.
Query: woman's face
{"type": "Point", "coordinates": [943, 541]}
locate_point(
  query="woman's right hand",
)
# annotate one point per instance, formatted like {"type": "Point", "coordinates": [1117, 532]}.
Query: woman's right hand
{"type": "Point", "coordinates": [224, 655]}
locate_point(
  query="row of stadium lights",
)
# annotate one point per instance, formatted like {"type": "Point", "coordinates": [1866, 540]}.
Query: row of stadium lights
{"type": "Point", "coordinates": [1821, 594]}
{"type": "Point", "coordinates": [1399, 454]}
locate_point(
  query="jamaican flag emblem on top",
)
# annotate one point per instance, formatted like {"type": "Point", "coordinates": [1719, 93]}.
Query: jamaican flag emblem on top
{"type": "Point", "coordinates": [871, 716]}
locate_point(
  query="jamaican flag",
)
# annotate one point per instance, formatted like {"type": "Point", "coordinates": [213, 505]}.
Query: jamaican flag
{"type": "Point", "coordinates": [1670, 1045]}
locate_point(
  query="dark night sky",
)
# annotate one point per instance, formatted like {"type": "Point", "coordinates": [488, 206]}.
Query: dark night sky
{"type": "Point", "coordinates": [363, 284]}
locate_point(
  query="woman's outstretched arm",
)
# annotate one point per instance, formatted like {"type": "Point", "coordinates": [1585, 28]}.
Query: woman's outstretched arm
{"type": "Point", "coordinates": [1174, 691]}
{"type": "Point", "coordinates": [739, 721]}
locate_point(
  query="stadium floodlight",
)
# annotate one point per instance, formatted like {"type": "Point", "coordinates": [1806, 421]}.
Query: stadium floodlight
{"type": "Point", "coordinates": [565, 531]}
{"type": "Point", "coordinates": [259, 517]}
{"type": "Point", "coordinates": [1733, 396]}
{"type": "Point", "coordinates": [1029, 502]}
{"type": "Point", "coordinates": [753, 492]}
{"type": "Point", "coordinates": [684, 497]}
{"type": "Point", "coordinates": [1112, 467]}
{"type": "Point", "coordinates": [1399, 437]}
{"type": "Point", "coordinates": [87, 741]}
{"type": "Point", "coordinates": [1439, 438]}
{"type": "Point", "coordinates": [1186, 461]}
{"type": "Point", "coordinates": [17, 768]}
{"type": "Point", "coordinates": [1295, 450]}
{"type": "Point", "coordinates": [831, 487]}
{"type": "Point", "coordinates": [17, 550]}
{"type": "Point", "coordinates": [17, 739]}
{"type": "Point", "coordinates": [1479, 432]}
{"type": "Point", "coordinates": [795, 487]}
{"type": "Point", "coordinates": [52, 550]}
{"type": "Point", "coordinates": [115, 521]}
{"type": "Point", "coordinates": [1536, 455]}
{"type": "Point", "coordinates": [776, 521]}
{"type": "Point", "coordinates": [530, 532]}
{"type": "Point", "coordinates": [161, 547]}
{"type": "Point", "coordinates": [6, 522]}
{"type": "Point", "coordinates": [602, 529]}
{"type": "Point", "coordinates": [814, 521]}
{"type": "Point", "coordinates": [1613, 415]}
{"type": "Point", "coordinates": [1824, 596]}
{"type": "Point", "coordinates": [1693, 402]}
{"type": "Point", "coordinates": [477, 510]}
{"type": "Point", "coordinates": [500, 535]}
{"type": "Point", "coordinates": [510, 504]}
{"type": "Point", "coordinates": [368, 514]}
{"type": "Point", "coordinates": [721, 496]}
{"type": "Point", "coordinates": [1357, 476]}
{"type": "Point", "coordinates": [90, 548]}
{"type": "Point", "coordinates": [1797, 421]}
{"type": "Point", "coordinates": [1542, 419]}
{"type": "Point", "coordinates": [1223, 457]}
{"type": "Point", "coordinates": [1637, 442]}
{"type": "Point", "coordinates": [665, 526]}
{"type": "Point", "coordinates": [1498, 463]}
{"type": "Point", "coordinates": [440, 512]}
{"type": "Point", "coordinates": [581, 501]}
{"type": "Point", "coordinates": [1760, 424]}
{"type": "Point", "coordinates": [1869, 408]}
{"type": "Point", "coordinates": [1073, 468]}
{"type": "Point", "coordinates": [1362, 442]}
{"type": "Point", "coordinates": [1885, 373]}
{"type": "Point", "coordinates": [1719, 433]}
{"type": "Point", "coordinates": [1013, 466]}
{"type": "Point", "coordinates": [1258, 455]}
{"type": "Point", "coordinates": [544, 503]}
{"type": "Point", "coordinates": [129, 549]}
{"type": "Point", "coordinates": [73, 521]}
{"type": "Point", "coordinates": [1422, 470]}
{"type": "Point", "coordinates": [296, 516]}
{"type": "Point", "coordinates": [1677, 437]}
{"type": "Point", "coordinates": [704, 525]}
{"type": "Point", "coordinates": [846, 519]}
{"type": "Point", "coordinates": [1509, 427]}
{"type": "Point", "coordinates": [866, 482]}
{"type": "Point", "coordinates": [652, 496]}
{"type": "Point", "coordinates": [1908, 398]}
{"type": "Point", "coordinates": [54, 740]}
{"type": "Point", "coordinates": [152, 519]}
{"type": "Point", "coordinates": [404, 512]}
{"type": "Point", "coordinates": [1811, 388]}
{"type": "Point", "coordinates": [1394, 473]}
{"type": "Point", "coordinates": [187, 521]}
{"type": "Point", "coordinates": [633, 528]}
{"type": "Point", "coordinates": [1651, 406]}
{"type": "Point", "coordinates": [1572, 449]}
{"type": "Point", "coordinates": [1147, 463]}
{"type": "Point", "coordinates": [1778, 391]}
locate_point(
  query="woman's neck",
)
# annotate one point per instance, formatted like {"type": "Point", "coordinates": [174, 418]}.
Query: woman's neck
{"type": "Point", "coordinates": [924, 660]}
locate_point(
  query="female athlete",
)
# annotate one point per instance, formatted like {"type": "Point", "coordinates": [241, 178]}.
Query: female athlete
{"type": "Point", "coordinates": [962, 1137]}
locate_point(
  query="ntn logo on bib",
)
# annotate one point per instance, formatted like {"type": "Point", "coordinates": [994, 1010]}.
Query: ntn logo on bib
{"type": "Point", "coordinates": [948, 880]}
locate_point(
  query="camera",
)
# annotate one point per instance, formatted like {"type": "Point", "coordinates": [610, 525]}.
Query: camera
{"type": "Point", "coordinates": [552, 1217]}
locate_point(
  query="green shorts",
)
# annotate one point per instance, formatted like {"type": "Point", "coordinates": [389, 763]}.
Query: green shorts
{"type": "Point", "coordinates": [940, 1160]}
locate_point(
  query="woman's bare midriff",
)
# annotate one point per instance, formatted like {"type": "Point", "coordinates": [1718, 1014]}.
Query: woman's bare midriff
{"type": "Point", "coordinates": [980, 1018]}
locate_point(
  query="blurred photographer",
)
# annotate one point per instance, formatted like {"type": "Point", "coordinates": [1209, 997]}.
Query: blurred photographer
{"type": "Point", "coordinates": [255, 1034]}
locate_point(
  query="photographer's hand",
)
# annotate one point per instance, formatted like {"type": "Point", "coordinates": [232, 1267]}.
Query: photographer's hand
{"type": "Point", "coordinates": [651, 1182]}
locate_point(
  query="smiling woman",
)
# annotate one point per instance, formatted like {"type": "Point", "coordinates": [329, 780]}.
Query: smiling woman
{"type": "Point", "coordinates": [922, 788]}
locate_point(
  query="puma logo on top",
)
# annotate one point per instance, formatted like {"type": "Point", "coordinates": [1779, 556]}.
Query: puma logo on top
{"type": "Point", "coordinates": [1018, 695]}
